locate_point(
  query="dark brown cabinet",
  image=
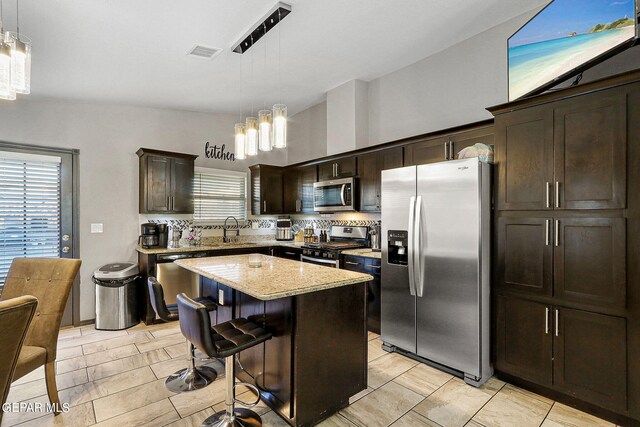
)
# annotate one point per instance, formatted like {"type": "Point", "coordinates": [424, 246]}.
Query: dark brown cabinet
{"type": "Point", "coordinates": [523, 339]}
{"type": "Point", "coordinates": [447, 147]}
{"type": "Point", "coordinates": [569, 155]}
{"type": "Point", "coordinates": [298, 189]}
{"type": "Point", "coordinates": [289, 253]}
{"type": "Point", "coordinates": [266, 190]}
{"type": "Point", "coordinates": [580, 353]}
{"type": "Point", "coordinates": [166, 181]}
{"type": "Point", "coordinates": [339, 168]}
{"type": "Point", "coordinates": [371, 166]}
{"type": "Point", "coordinates": [368, 266]}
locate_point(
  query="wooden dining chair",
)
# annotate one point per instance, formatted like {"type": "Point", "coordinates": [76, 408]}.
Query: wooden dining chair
{"type": "Point", "coordinates": [15, 317]}
{"type": "Point", "coordinates": [50, 281]}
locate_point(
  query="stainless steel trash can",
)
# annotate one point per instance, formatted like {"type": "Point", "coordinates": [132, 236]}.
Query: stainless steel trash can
{"type": "Point", "coordinates": [116, 296]}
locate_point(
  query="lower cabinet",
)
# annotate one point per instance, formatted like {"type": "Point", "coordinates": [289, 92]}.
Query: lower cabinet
{"type": "Point", "coordinates": [579, 353]}
{"type": "Point", "coordinates": [368, 266]}
{"type": "Point", "coordinates": [289, 253]}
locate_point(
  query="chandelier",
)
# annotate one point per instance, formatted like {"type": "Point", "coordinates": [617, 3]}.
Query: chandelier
{"type": "Point", "coordinates": [15, 60]}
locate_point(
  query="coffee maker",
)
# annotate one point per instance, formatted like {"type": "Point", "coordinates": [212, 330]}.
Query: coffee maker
{"type": "Point", "coordinates": [283, 228]}
{"type": "Point", "coordinates": [149, 235]}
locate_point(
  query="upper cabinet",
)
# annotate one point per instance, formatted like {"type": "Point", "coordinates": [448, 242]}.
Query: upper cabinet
{"type": "Point", "coordinates": [266, 190]}
{"type": "Point", "coordinates": [370, 168]}
{"type": "Point", "coordinates": [339, 168]}
{"type": "Point", "coordinates": [447, 147]}
{"type": "Point", "coordinates": [298, 189]}
{"type": "Point", "coordinates": [567, 155]}
{"type": "Point", "coordinates": [166, 181]}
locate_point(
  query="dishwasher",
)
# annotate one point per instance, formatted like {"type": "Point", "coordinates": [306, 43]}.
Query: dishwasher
{"type": "Point", "coordinates": [175, 279]}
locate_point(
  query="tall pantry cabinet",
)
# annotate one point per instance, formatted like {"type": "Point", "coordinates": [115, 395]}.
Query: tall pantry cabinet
{"type": "Point", "coordinates": [567, 244]}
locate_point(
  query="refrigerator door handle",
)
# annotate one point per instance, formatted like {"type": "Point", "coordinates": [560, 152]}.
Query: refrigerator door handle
{"type": "Point", "coordinates": [412, 209]}
{"type": "Point", "coordinates": [417, 249]}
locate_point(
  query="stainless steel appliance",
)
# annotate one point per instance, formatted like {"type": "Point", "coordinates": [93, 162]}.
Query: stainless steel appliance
{"type": "Point", "coordinates": [283, 228]}
{"type": "Point", "coordinates": [337, 195]}
{"type": "Point", "coordinates": [374, 235]}
{"type": "Point", "coordinates": [435, 265]}
{"type": "Point", "coordinates": [341, 238]}
{"type": "Point", "coordinates": [175, 279]}
{"type": "Point", "coordinates": [149, 237]}
{"type": "Point", "coordinates": [116, 296]}
{"type": "Point", "coordinates": [163, 235]}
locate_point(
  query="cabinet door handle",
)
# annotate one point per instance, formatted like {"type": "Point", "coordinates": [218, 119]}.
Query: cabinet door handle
{"type": "Point", "coordinates": [168, 203]}
{"type": "Point", "coordinates": [557, 323]}
{"type": "Point", "coordinates": [264, 206]}
{"type": "Point", "coordinates": [557, 233]}
{"type": "Point", "coordinates": [451, 156]}
{"type": "Point", "coordinates": [557, 194]}
{"type": "Point", "coordinates": [173, 203]}
{"type": "Point", "coordinates": [446, 150]}
{"type": "Point", "coordinates": [377, 267]}
{"type": "Point", "coordinates": [352, 263]}
{"type": "Point", "coordinates": [290, 253]}
{"type": "Point", "coordinates": [548, 198]}
{"type": "Point", "coordinates": [337, 169]}
{"type": "Point", "coordinates": [546, 320]}
{"type": "Point", "coordinates": [547, 226]}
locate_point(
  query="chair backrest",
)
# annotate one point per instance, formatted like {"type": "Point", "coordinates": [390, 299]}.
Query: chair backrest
{"type": "Point", "coordinates": [50, 280]}
{"type": "Point", "coordinates": [156, 295]}
{"type": "Point", "coordinates": [15, 317]}
{"type": "Point", "coordinates": [195, 324]}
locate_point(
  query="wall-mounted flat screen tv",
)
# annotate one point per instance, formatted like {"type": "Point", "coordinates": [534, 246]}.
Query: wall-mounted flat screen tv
{"type": "Point", "coordinates": [565, 38]}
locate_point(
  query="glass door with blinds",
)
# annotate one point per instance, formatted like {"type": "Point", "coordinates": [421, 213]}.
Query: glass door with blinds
{"type": "Point", "coordinates": [218, 194]}
{"type": "Point", "coordinates": [36, 207]}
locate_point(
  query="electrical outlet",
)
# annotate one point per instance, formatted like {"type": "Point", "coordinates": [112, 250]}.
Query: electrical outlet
{"type": "Point", "coordinates": [97, 228]}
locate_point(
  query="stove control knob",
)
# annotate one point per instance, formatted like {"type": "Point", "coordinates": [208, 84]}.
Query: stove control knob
{"type": "Point", "coordinates": [324, 255]}
{"type": "Point", "coordinates": [330, 256]}
{"type": "Point", "coordinates": [317, 253]}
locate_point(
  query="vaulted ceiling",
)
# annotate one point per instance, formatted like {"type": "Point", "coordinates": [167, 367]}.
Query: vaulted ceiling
{"type": "Point", "coordinates": [134, 52]}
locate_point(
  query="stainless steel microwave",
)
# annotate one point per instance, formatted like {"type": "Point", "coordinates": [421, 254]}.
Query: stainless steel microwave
{"type": "Point", "coordinates": [337, 195]}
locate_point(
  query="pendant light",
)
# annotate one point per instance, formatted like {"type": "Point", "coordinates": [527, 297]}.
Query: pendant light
{"type": "Point", "coordinates": [251, 129]}
{"type": "Point", "coordinates": [6, 90]}
{"type": "Point", "coordinates": [279, 110]}
{"type": "Point", "coordinates": [264, 116]}
{"type": "Point", "coordinates": [240, 142]}
{"type": "Point", "coordinates": [20, 57]}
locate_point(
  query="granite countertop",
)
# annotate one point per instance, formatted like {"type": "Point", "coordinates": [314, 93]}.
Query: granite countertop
{"type": "Point", "coordinates": [221, 247]}
{"type": "Point", "coordinates": [365, 252]}
{"type": "Point", "coordinates": [277, 278]}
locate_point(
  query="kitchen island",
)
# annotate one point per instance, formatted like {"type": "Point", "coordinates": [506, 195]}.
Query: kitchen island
{"type": "Point", "coordinates": [317, 358]}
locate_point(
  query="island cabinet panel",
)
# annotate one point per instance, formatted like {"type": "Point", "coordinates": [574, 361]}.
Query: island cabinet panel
{"type": "Point", "coordinates": [590, 357]}
{"type": "Point", "coordinates": [252, 359]}
{"type": "Point", "coordinates": [165, 181]}
{"type": "Point", "coordinates": [524, 340]}
{"type": "Point", "coordinates": [339, 168]}
{"type": "Point", "coordinates": [266, 190]}
{"type": "Point", "coordinates": [590, 147]}
{"type": "Point", "coordinates": [370, 170]}
{"type": "Point", "coordinates": [278, 376]}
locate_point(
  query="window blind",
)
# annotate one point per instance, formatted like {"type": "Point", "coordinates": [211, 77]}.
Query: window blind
{"type": "Point", "coordinates": [218, 195]}
{"type": "Point", "coordinates": [29, 208]}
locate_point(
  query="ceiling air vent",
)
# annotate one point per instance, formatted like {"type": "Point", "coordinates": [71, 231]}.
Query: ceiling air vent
{"type": "Point", "coordinates": [204, 52]}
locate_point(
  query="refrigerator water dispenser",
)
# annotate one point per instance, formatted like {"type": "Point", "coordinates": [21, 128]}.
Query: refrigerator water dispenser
{"type": "Point", "coordinates": [398, 253]}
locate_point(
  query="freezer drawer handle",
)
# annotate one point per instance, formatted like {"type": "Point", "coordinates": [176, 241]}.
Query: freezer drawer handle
{"type": "Point", "coordinates": [412, 208]}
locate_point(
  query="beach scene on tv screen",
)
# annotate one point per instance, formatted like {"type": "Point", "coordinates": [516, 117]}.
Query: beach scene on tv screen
{"type": "Point", "coordinates": [565, 35]}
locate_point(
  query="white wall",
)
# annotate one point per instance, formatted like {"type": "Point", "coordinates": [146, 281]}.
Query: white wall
{"type": "Point", "coordinates": [307, 134]}
{"type": "Point", "coordinates": [108, 137]}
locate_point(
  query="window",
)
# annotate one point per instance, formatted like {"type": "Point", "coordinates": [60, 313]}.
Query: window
{"type": "Point", "coordinates": [30, 208]}
{"type": "Point", "coordinates": [218, 194]}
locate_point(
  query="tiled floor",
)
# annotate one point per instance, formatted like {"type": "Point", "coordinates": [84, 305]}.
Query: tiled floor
{"type": "Point", "coordinates": [117, 379]}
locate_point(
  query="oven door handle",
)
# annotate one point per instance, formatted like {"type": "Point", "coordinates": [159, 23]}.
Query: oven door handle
{"type": "Point", "coordinates": [320, 261]}
{"type": "Point", "coordinates": [343, 196]}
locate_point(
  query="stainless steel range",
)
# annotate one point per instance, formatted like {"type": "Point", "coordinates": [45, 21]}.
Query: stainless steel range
{"type": "Point", "coordinates": [341, 238]}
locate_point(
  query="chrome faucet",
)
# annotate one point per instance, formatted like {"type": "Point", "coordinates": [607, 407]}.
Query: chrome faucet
{"type": "Point", "coordinates": [226, 239]}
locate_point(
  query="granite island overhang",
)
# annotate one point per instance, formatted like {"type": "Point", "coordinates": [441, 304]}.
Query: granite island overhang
{"type": "Point", "coordinates": [317, 358]}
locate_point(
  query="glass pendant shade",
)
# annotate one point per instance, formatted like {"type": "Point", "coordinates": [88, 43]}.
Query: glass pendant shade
{"type": "Point", "coordinates": [6, 90]}
{"type": "Point", "coordinates": [264, 129]}
{"type": "Point", "coordinates": [280, 126]}
{"type": "Point", "coordinates": [252, 136]}
{"type": "Point", "coordinates": [241, 142]}
{"type": "Point", "coordinates": [20, 62]}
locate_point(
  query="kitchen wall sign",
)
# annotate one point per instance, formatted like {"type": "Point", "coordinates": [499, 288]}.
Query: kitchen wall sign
{"type": "Point", "coordinates": [218, 153]}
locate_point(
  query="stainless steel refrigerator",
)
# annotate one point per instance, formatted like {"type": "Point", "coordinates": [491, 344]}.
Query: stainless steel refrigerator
{"type": "Point", "coordinates": [435, 265]}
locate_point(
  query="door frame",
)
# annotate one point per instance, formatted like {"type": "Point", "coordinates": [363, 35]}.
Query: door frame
{"type": "Point", "coordinates": [75, 229]}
